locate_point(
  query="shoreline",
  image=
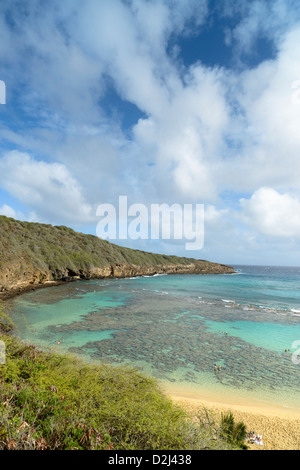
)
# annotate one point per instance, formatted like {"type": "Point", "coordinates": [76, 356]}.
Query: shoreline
{"type": "Point", "coordinates": [279, 425]}
{"type": "Point", "coordinates": [31, 287]}
{"type": "Point", "coordinates": [18, 291]}
{"type": "Point", "coordinates": [232, 400]}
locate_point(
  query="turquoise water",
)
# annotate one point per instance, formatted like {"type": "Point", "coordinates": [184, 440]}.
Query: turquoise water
{"type": "Point", "coordinates": [272, 336]}
{"type": "Point", "coordinates": [176, 327]}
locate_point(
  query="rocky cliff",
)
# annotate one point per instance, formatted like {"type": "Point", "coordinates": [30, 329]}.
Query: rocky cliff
{"type": "Point", "coordinates": [35, 255]}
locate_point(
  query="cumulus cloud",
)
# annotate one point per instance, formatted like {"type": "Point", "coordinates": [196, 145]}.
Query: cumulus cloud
{"type": "Point", "coordinates": [259, 19]}
{"type": "Point", "coordinates": [263, 136]}
{"type": "Point", "coordinates": [48, 188]}
{"type": "Point", "coordinates": [8, 211]}
{"type": "Point", "coordinates": [192, 136]}
{"type": "Point", "coordinates": [184, 139]}
{"type": "Point", "coordinates": [272, 213]}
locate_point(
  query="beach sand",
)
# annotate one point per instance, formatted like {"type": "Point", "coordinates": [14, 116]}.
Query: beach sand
{"type": "Point", "coordinates": [278, 425]}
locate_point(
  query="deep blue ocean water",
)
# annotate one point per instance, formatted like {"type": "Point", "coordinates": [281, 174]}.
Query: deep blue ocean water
{"type": "Point", "coordinates": [178, 327]}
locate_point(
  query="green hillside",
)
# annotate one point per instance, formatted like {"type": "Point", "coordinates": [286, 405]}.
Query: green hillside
{"type": "Point", "coordinates": [34, 253]}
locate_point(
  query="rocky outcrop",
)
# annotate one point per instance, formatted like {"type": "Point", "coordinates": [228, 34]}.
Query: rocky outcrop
{"type": "Point", "coordinates": [200, 267]}
{"type": "Point", "coordinates": [13, 283]}
{"type": "Point", "coordinates": [35, 255]}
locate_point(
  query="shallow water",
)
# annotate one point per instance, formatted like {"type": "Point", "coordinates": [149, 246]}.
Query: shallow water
{"type": "Point", "coordinates": [176, 327]}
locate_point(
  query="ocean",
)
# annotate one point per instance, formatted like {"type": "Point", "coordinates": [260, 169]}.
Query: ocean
{"type": "Point", "coordinates": [235, 334]}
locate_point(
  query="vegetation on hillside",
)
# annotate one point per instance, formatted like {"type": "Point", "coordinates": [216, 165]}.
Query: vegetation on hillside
{"type": "Point", "coordinates": [54, 248]}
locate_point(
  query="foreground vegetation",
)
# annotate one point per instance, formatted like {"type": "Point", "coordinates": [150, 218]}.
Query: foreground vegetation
{"type": "Point", "coordinates": [57, 402]}
{"type": "Point", "coordinates": [53, 401]}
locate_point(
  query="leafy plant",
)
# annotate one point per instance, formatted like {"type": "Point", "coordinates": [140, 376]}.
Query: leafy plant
{"type": "Point", "coordinates": [233, 432]}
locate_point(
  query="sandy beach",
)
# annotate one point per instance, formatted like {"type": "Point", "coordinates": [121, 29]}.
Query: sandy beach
{"type": "Point", "coordinates": [278, 425]}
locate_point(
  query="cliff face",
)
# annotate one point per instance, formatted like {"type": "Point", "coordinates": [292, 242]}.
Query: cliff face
{"type": "Point", "coordinates": [35, 255]}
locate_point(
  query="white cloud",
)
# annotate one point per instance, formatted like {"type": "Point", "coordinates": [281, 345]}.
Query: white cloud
{"type": "Point", "coordinates": [47, 188]}
{"type": "Point", "coordinates": [272, 213]}
{"type": "Point", "coordinates": [189, 111]}
{"type": "Point", "coordinates": [58, 77]}
{"type": "Point", "coordinates": [265, 128]}
{"type": "Point", "coordinates": [260, 19]}
{"type": "Point", "coordinates": [184, 139]}
{"type": "Point", "coordinates": [8, 211]}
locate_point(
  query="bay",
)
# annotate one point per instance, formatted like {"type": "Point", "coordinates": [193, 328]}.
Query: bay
{"type": "Point", "coordinates": [178, 327]}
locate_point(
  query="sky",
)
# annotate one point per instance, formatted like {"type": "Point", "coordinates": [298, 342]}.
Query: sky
{"type": "Point", "coordinates": [162, 101]}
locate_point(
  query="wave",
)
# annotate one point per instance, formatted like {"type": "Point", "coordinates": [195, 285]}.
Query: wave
{"type": "Point", "coordinates": [295, 312]}
{"type": "Point", "coordinates": [258, 309]}
{"type": "Point", "coordinates": [230, 274]}
{"type": "Point", "coordinates": [155, 275]}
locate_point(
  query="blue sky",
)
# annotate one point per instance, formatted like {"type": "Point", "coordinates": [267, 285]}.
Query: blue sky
{"type": "Point", "coordinates": [164, 102]}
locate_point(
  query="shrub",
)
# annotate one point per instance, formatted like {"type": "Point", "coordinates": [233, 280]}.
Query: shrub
{"type": "Point", "coordinates": [233, 432]}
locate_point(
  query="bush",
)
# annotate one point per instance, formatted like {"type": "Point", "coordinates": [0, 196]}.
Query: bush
{"type": "Point", "coordinates": [233, 432]}
{"type": "Point", "coordinates": [6, 323]}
